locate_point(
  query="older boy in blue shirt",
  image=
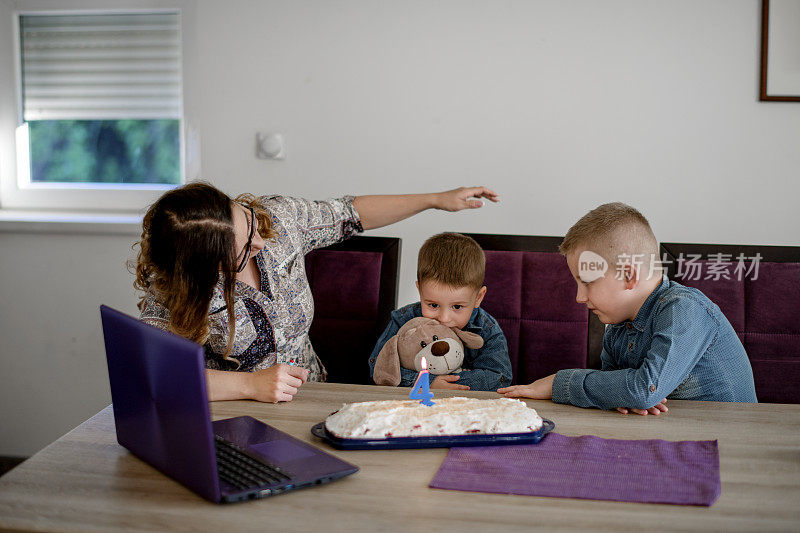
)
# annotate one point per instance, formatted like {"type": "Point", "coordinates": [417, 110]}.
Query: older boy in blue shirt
{"type": "Point", "coordinates": [662, 340]}
{"type": "Point", "coordinates": [450, 272]}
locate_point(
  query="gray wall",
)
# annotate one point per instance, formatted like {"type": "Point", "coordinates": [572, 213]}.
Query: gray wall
{"type": "Point", "coordinates": [559, 106]}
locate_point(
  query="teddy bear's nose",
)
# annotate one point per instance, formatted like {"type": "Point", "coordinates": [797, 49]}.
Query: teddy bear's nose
{"type": "Point", "coordinates": [440, 348]}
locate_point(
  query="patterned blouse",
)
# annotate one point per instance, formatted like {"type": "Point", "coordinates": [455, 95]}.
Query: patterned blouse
{"type": "Point", "coordinates": [272, 324]}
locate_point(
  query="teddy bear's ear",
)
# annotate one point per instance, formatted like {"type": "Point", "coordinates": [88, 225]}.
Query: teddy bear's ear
{"type": "Point", "coordinates": [387, 365]}
{"type": "Point", "coordinates": [470, 340]}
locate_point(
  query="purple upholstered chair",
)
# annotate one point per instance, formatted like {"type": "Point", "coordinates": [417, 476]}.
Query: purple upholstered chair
{"type": "Point", "coordinates": [758, 290]}
{"type": "Point", "coordinates": [531, 293]}
{"type": "Point", "coordinates": [354, 284]}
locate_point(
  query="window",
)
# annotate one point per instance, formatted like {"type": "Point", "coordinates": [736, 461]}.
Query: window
{"type": "Point", "coordinates": [101, 97]}
{"type": "Point", "coordinates": [99, 109]}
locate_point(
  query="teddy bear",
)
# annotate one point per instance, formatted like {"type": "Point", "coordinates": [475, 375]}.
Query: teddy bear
{"type": "Point", "coordinates": [442, 347]}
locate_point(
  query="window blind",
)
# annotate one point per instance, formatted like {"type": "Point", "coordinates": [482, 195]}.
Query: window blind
{"type": "Point", "coordinates": [101, 67]}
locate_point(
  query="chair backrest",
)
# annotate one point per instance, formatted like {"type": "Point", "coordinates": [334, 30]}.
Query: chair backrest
{"type": "Point", "coordinates": [531, 293]}
{"type": "Point", "coordinates": [354, 284]}
{"type": "Point", "coordinates": [758, 290]}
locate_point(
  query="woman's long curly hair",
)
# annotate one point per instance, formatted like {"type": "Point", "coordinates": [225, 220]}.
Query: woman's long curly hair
{"type": "Point", "coordinates": [188, 242]}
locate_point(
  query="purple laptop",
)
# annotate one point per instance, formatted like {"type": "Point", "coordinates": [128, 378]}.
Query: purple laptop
{"type": "Point", "coordinates": [158, 390]}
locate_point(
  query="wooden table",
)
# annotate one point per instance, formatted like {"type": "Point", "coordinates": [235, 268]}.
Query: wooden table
{"type": "Point", "coordinates": [86, 482]}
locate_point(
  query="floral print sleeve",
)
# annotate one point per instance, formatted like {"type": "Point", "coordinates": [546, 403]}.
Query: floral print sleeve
{"type": "Point", "coordinates": [154, 312]}
{"type": "Point", "coordinates": [316, 223]}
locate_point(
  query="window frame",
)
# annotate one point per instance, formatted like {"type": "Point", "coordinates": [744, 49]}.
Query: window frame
{"type": "Point", "coordinates": [17, 192]}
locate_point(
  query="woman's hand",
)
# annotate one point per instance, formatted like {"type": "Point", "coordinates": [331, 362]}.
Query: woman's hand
{"type": "Point", "coordinates": [278, 383]}
{"type": "Point", "coordinates": [657, 409]}
{"type": "Point", "coordinates": [446, 381]}
{"type": "Point", "coordinates": [459, 199]}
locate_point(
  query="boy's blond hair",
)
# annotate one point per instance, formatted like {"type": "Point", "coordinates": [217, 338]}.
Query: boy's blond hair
{"type": "Point", "coordinates": [614, 231]}
{"type": "Point", "coordinates": [452, 259]}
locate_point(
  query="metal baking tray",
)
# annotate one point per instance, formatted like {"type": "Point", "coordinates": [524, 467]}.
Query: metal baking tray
{"type": "Point", "coordinates": [442, 441]}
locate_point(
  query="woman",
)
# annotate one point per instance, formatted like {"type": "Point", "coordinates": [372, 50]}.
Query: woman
{"type": "Point", "coordinates": [230, 274]}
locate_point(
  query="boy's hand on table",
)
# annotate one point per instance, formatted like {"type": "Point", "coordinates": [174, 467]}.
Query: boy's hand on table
{"type": "Point", "coordinates": [445, 381]}
{"type": "Point", "coordinates": [660, 407]}
{"type": "Point", "coordinates": [541, 389]}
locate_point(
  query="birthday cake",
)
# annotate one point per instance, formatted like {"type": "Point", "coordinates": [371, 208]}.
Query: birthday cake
{"type": "Point", "coordinates": [448, 416]}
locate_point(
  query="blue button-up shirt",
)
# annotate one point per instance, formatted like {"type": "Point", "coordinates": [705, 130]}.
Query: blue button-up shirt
{"type": "Point", "coordinates": [487, 368]}
{"type": "Point", "coordinates": [679, 346]}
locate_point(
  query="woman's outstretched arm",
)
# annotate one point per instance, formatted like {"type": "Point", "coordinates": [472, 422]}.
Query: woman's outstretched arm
{"type": "Point", "coordinates": [381, 210]}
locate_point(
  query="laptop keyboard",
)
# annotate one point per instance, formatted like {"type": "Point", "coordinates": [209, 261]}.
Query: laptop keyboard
{"type": "Point", "coordinates": [243, 471]}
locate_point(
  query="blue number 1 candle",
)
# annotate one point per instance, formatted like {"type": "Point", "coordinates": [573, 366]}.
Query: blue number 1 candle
{"type": "Point", "coordinates": [420, 391]}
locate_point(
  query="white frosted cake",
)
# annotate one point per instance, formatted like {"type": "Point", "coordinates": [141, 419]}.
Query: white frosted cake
{"type": "Point", "coordinates": [448, 416]}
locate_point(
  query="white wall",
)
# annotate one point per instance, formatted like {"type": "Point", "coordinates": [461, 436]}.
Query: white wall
{"type": "Point", "coordinates": [559, 106]}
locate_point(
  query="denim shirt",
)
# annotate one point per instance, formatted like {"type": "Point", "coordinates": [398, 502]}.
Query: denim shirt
{"type": "Point", "coordinates": [486, 368]}
{"type": "Point", "coordinates": [679, 346]}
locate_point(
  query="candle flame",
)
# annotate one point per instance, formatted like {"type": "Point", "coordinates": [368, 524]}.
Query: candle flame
{"type": "Point", "coordinates": [424, 363]}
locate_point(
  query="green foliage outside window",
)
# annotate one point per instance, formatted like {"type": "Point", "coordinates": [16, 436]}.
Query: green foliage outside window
{"type": "Point", "coordinates": [105, 151]}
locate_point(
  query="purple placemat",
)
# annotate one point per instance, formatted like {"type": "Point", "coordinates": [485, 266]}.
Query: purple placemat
{"type": "Point", "coordinates": [588, 467]}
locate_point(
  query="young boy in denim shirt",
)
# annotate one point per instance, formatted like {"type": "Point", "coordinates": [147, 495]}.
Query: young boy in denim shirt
{"type": "Point", "coordinates": [662, 340]}
{"type": "Point", "coordinates": [450, 271]}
